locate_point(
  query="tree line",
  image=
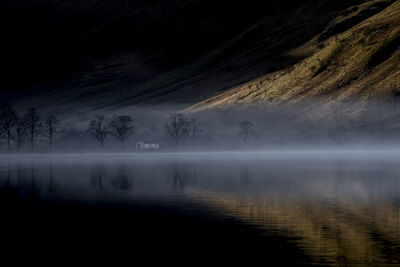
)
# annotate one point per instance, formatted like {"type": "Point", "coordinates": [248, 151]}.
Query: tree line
{"type": "Point", "coordinates": [178, 128]}
{"type": "Point", "coordinates": [25, 131]}
{"type": "Point", "coordinates": [26, 128]}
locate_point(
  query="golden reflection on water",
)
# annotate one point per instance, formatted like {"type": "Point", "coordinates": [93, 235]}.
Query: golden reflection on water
{"type": "Point", "coordinates": [339, 212]}
{"type": "Point", "coordinates": [331, 231]}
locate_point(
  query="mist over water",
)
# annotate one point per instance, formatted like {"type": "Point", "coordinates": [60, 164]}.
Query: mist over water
{"type": "Point", "coordinates": [301, 184]}
{"type": "Point", "coordinates": [316, 124]}
{"type": "Point", "coordinates": [330, 207]}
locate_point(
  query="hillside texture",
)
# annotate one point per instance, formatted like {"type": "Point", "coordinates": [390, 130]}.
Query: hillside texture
{"type": "Point", "coordinates": [356, 57]}
{"type": "Point", "coordinates": [71, 55]}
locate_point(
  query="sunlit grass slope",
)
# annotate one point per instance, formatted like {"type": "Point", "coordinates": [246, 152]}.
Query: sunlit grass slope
{"type": "Point", "coordinates": [356, 57]}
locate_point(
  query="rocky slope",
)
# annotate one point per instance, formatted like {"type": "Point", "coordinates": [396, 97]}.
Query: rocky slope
{"type": "Point", "coordinates": [355, 58]}
{"type": "Point", "coordinates": [72, 55]}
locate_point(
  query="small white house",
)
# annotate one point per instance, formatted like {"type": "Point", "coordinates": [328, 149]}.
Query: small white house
{"type": "Point", "coordinates": [143, 146]}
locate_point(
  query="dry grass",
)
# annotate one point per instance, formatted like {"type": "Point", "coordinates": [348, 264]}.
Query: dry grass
{"type": "Point", "coordinates": [361, 63]}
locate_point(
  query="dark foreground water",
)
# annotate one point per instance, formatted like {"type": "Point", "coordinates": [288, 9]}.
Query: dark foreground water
{"type": "Point", "coordinates": [289, 208]}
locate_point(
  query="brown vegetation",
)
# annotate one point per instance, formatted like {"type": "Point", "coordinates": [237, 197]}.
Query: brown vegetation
{"type": "Point", "coordinates": [357, 63]}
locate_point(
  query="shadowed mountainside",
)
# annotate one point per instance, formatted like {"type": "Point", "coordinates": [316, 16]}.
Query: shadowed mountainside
{"type": "Point", "coordinates": [108, 55]}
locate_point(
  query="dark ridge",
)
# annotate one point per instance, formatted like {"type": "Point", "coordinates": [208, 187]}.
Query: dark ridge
{"type": "Point", "coordinates": [349, 11]}
{"type": "Point", "coordinates": [354, 20]}
{"type": "Point", "coordinates": [320, 70]}
{"type": "Point", "coordinates": [112, 51]}
{"type": "Point", "coordinates": [384, 52]}
{"type": "Point", "coordinates": [49, 40]}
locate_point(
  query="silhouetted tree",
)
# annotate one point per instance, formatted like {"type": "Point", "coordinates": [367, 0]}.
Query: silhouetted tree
{"type": "Point", "coordinates": [8, 121]}
{"type": "Point", "coordinates": [178, 127]}
{"type": "Point", "coordinates": [51, 128]}
{"type": "Point", "coordinates": [99, 129]}
{"type": "Point", "coordinates": [246, 133]}
{"type": "Point", "coordinates": [32, 125]}
{"type": "Point", "coordinates": [121, 128]}
{"type": "Point", "coordinates": [20, 132]}
{"type": "Point", "coordinates": [195, 129]}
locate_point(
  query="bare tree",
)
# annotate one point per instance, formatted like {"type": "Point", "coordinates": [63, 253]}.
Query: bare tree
{"type": "Point", "coordinates": [20, 132]}
{"type": "Point", "coordinates": [8, 121]}
{"type": "Point", "coordinates": [32, 125]}
{"type": "Point", "coordinates": [99, 129]}
{"type": "Point", "coordinates": [195, 129]}
{"type": "Point", "coordinates": [246, 133]}
{"type": "Point", "coordinates": [121, 128]}
{"type": "Point", "coordinates": [178, 127]}
{"type": "Point", "coordinates": [51, 128]}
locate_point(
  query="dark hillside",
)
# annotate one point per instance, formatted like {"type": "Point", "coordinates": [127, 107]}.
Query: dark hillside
{"type": "Point", "coordinates": [110, 53]}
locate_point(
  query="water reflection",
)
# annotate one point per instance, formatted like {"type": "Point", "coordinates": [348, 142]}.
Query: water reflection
{"type": "Point", "coordinates": [97, 176]}
{"type": "Point", "coordinates": [52, 184]}
{"type": "Point", "coordinates": [338, 211]}
{"type": "Point", "coordinates": [181, 175]}
{"type": "Point", "coordinates": [122, 180]}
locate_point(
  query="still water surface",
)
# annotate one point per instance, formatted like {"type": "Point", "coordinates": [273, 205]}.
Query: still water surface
{"type": "Point", "coordinates": [335, 208]}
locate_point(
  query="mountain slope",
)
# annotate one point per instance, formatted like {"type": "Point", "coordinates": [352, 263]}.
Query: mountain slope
{"type": "Point", "coordinates": [355, 58]}
{"type": "Point", "coordinates": [88, 55]}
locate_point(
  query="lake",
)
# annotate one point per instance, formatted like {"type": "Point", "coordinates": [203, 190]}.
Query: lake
{"type": "Point", "coordinates": [320, 208]}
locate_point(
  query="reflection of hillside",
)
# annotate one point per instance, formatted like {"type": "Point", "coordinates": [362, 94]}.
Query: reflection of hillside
{"type": "Point", "coordinates": [339, 232]}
